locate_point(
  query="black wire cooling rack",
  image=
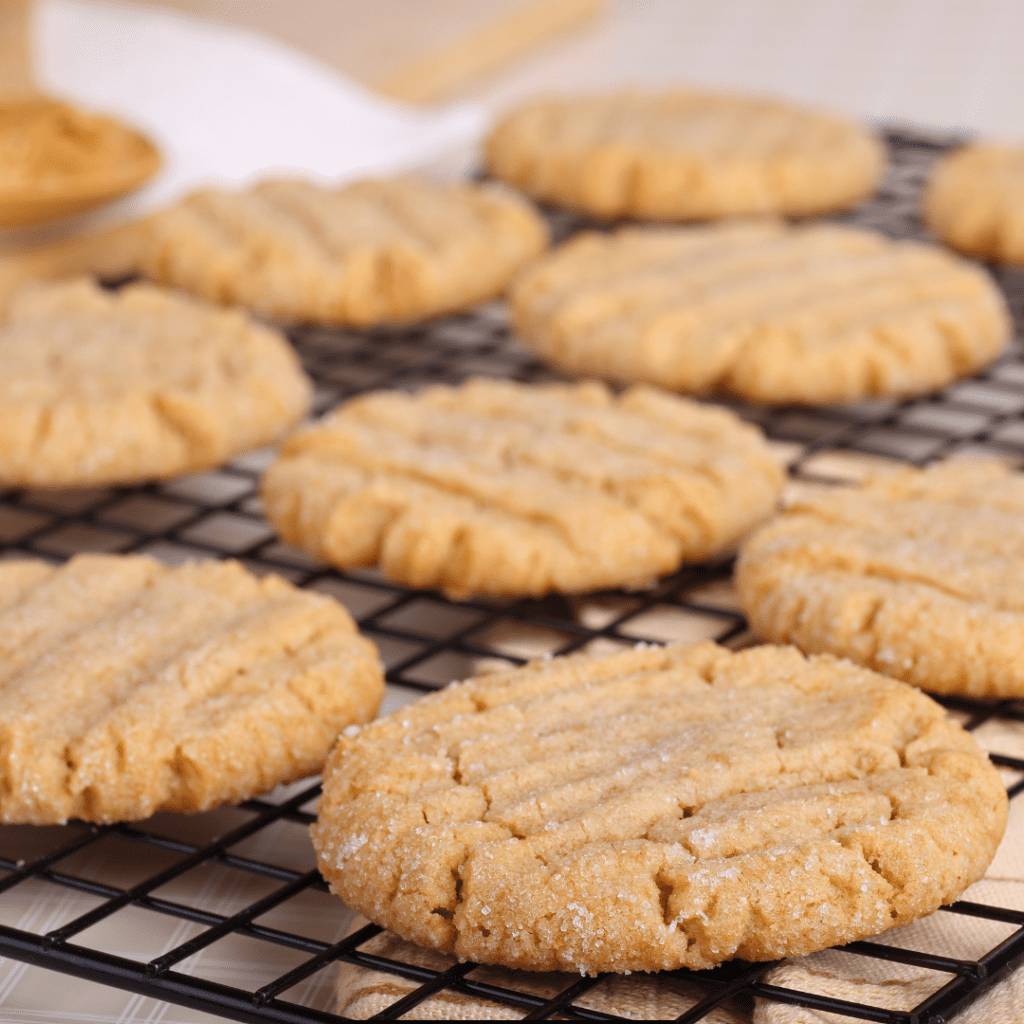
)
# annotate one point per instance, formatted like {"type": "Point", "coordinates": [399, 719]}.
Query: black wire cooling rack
{"type": "Point", "coordinates": [225, 912]}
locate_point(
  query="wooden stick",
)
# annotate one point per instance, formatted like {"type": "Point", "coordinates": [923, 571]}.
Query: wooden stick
{"type": "Point", "coordinates": [440, 74]}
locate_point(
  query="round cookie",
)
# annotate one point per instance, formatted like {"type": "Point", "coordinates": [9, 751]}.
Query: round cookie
{"type": "Point", "coordinates": [128, 688]}
{"type": "Point", "coordinates": [974, 202]}
{"type": "Point", "coordinates": [918, 574]}
{"type": "Point", "coordinates": [684, 156]}
{"type": "Point", "coordinates": [103, 387]}
{"type": "Point", "coordinates": [658, 808]}
{"type": "Point", "coordinates": [375, 252]}
{"type": "Point", "coordinates": [764, 311]}
{"type": "Point", "coordinates": [508, 489]}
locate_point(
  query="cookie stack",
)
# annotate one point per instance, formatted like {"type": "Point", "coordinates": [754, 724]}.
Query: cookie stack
{"type": "Point", "coordinates": [649, 810]}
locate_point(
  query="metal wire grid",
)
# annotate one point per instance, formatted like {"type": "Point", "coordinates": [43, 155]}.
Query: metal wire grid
{"type": "Point", "coordinates": [426, 641]}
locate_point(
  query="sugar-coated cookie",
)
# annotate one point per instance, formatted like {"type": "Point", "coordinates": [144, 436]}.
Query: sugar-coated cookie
{"type": "Point", "coordinates": [101, 387]}
{"type": "Point", "coordinates": [918, 574]}
{"type": "Point", "coordinates": [375, 252]}
{"type": "Point", "coordinates": [767, 312]}
{"type": "Point", "coordinates": [128, 688]}
{"type": "Point", "coordinates": [658, 808]}
{"type": "Point", "coordinates": [974, 202]}
{"type": "Point", "coordinates": [510, 489]}
{"type": "Point", "coordinates": [684, 156]}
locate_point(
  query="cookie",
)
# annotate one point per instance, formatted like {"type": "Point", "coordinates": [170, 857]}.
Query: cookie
{"type": "Point", "coordinates": [104, 387]}
{"type": "Point", "coordinates": [658, 808]}
{"type": "Point", "coordinates": [508, 489]}
{"type": "Point", "coordinates": [684, 156]}
{"type": "Point", "coordinates": [916, 573]}
{"type": "Point", "coordinates": [128, 688]}
{"type": "Point", "coordinates": [974, 202]}
{"type": "Point", "coordinates": [363, 992]}
{"type": "Point", "coordinates": [376, 252]}
{"type": "Point", "coordinates": [770, 313]}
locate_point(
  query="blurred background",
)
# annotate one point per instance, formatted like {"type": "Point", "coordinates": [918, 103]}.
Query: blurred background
{"type": "Point", "coordinates": [338, 88]}
{"type": "Point", "coordinates": [948, 63]}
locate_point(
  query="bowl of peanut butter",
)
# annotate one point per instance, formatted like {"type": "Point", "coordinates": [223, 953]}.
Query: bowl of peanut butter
{"type": "Point", "coordinates": [57, 160]}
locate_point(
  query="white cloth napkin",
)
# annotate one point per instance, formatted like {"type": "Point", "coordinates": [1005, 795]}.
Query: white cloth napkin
{"type": "Point", "coordinates": [228, 105]}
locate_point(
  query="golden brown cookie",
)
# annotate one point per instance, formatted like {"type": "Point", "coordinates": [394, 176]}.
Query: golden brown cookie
{"type": "Point", "coordinates": [684, 156]}
{"type": "Point", "coordinates": [770, 313]}
{"type": "Point", "coordinates": [659, 808]}
{"type": "Point", "coordinates": [102, 387]}
{"type": "Point", "coordinates": [376, 252]}
{"type": "Point", "coordinates": [974, 202]}
{"type": "Point", "coordinates": [128, 688]}
{"type": "Point", "coordinates": [363, 992]}
{"type": "Point", "coordinates": [511, 489]}
{"type": "Point", "coordinates": [918, 574]}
